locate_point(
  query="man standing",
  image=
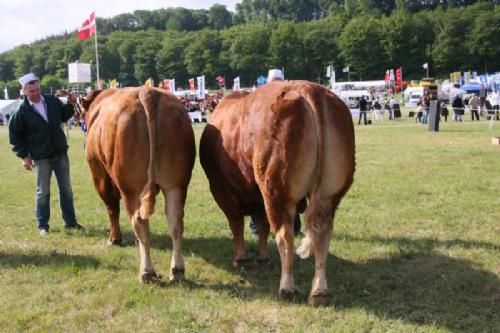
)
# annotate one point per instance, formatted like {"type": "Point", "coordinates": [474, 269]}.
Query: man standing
{"type": "Point", "coordinates": [36, 137]}
{"type": "Point", "coordinates": [363, 108]}
{"type": "Point", "coordinates": [474, 107]}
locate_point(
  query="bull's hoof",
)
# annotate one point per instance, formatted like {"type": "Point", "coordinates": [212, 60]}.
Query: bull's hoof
{"type": "Point", "coordinates": [241, 261]}
{"type": "Point", "coordinates": [263, 259]}
{"type": "Point", "coordinates": [288, 295]}
{"type": "Point", "coordinates": [177, 274]}
{"type": "Point", "coordinates": [318, 298]}
{"type": "Point", "coordinates": [149, 278]}
{"type": "Point", "coordinates": [115, 242]}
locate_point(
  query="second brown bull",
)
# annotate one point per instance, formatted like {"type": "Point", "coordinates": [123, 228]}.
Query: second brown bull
{"type": "Point", "coordinates": [267, 153]}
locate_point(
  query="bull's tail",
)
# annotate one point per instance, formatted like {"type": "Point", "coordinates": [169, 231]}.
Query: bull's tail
{"type": "Point", "coordinates": [149, 99]}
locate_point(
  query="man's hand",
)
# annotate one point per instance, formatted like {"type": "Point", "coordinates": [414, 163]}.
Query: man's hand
{"type": "Point", "coordinates": [28, 163]}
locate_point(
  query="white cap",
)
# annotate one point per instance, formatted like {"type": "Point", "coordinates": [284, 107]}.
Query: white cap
{"type": "Point", "coordinates": [27, 78]}
{"type": "Point", "coordinates": [275, 74]}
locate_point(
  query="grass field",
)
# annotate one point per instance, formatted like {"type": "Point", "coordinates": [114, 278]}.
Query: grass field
{"type": "Point", "coordinates": [416, 248]}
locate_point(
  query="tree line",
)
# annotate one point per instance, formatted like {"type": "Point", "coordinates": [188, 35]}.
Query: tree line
{"type": "Point", "coordinates": [301, 36]}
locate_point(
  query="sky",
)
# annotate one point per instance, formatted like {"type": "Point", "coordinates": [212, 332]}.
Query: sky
{"type": "Point", "coordinates": [25, 21]}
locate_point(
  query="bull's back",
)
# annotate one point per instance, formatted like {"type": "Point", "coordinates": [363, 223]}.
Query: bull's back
{"type": "Point", "coordinates": [336, 138]}
{"type": "Point", "coordinates": [119, 137]}
{"type": "Point", "coordinates": [176, 149]}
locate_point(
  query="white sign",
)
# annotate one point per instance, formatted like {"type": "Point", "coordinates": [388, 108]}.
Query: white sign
{"type": "Point", "coordinates": [201, 86]}
{"type": "Point", "coordinates": [79, 73]}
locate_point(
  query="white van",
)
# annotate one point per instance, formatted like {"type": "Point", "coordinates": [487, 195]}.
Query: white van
{"type": "Point", "coordinates": [412, 95]}
{"type": "Point", "coordinates": [351, 99]}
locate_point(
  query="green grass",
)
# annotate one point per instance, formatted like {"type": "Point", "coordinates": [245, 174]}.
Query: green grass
{"type": "Point", "coordinates": [416, 248]}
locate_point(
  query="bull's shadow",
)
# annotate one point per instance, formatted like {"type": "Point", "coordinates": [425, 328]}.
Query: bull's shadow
{"type": "Point", "coordinates": [416, 285]}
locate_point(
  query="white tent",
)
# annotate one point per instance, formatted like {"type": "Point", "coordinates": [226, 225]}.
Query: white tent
{"type": "Point", "coordinates": [7, 107]}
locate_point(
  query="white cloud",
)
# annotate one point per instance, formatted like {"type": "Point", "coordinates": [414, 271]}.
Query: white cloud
{"type": "Point", "coordinates": [25, 21]}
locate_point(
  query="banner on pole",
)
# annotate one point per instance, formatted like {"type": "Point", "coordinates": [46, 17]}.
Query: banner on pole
{"type": "Point", "coordinates": [201, 86]}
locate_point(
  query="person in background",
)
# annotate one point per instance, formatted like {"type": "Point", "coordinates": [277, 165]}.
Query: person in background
{"type": "Point", "coordinates": [392, 103]}
{"type": "Point", "coordinates": [458, 106]}
{"type": "Point", "coordinates": [37, 138]}
{"type": "Point", "coordinates": [363, 108]}
{"type": "Point", "coordinates": [378, 112]}
{"type": "Point", "coordinates": [424, 103]}
{"type": "Point", "coordinates": [474, 107]}
{"type": "Point", "coordinates": [444, 111]}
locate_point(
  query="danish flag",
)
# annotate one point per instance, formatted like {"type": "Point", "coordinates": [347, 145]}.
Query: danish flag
{"type": "Point", "coordinates": [87, 29]}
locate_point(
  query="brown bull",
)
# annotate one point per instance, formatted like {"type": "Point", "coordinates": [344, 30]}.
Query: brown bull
{"type": "Point", "coordinates": [140, 141]}
{"type": "Point", "coordinates": [267, 151]}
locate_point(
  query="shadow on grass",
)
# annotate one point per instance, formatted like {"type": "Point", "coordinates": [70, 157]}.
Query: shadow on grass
{"type": "Point", "coordinates": [416, 285]}
{"type": "Point", "coordinates": [54, 258]}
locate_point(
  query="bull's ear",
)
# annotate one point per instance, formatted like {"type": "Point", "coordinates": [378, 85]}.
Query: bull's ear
{"type": "Point", "coordinates": [90, 98]}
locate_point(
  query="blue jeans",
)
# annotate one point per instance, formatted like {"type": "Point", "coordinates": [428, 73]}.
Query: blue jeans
{"type": "Point", "coordinates": [43, 171]}
{"type": "Point", "coordinates": [424, 117]}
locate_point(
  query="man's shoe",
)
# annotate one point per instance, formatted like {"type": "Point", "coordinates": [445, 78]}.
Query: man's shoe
{"type": "Point", "coordinates": [75, 226]}
{"type": "Point", "coordinates": [43, 232]}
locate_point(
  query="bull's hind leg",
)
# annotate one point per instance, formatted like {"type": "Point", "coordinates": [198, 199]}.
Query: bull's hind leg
{"type": "Point", "coordinates": [319, 216]}
{"type": "Point", "coordinates": [141, 229]}
{"type": "Point", "coordinates": [263, 248]}
{"type": "Point", "coordinates": [281, 219]}
{"type": "Point", "coordinates": [237, 226]}
{"type": "Point", "coordinates": [174, 209]}
{"type": "Point", "coordinates": [111, 198]}
{"type": "Point", "coordinates": [230, 207]}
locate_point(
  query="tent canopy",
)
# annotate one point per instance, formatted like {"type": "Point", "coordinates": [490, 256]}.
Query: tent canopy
{"type": "Point", "coordinates": [471, 87]}
{"type": "Point", "coordinates": [8, 106]}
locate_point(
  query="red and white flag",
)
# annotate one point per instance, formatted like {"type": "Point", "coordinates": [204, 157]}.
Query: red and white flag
{"type": "Point", "coordinates": [87, 29]}
{"type": "Point", "coordinates": [221, 81]}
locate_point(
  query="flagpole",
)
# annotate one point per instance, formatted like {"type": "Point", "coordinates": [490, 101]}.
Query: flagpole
{"type": "Point", "coordinates": [96, 55]}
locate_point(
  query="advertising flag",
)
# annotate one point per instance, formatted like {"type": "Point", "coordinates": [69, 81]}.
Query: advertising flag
{"type": "Point", "coordinates": [399, 78]}
{"type": "Point", "coordinates": [87, 29]}
{"type": "Point", "coordinates": [191, 84]}
{"type": "Point", "coordinates": [149, 83]}
{"type": "Point", "coordinates": [201, 86]}
{"type": "Point", "coordinates": [172, 85]}
{"type": "Point", "coordinates": [236, 83]}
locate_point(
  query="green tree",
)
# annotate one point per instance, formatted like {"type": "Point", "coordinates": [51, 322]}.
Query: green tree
{"type": "Point", "coordinates": [404, 39]}
{"type": "Point", "coordinates": [449, 53]}
{"type": "Point", "coordinates": [286, 50]}
{"type": "Point", "coordinates": [320, 42]}
{"type": "Point", "coordinates": [126, 52]}
{"type": "Point", "coordinates": [361, 48]}
{"type": "Point", "coordinates": [145, 56]}
{"type": "Point", "coordinates": [219, 17]}
{"type": "Point", "coordinates": [6, 67]}
{"type": "Point", "coordinates": [51, 83]}
{"type": "Point", "coordinates": [169, 62]}
{"type": "Point", "coordinates": [483, 41]}
{"type": "Point", "coordinates": [202, 54]}
{"type": "Point", "coordinates": [244, 51]}
{"type": "Point", "coordinates": [23, 60]}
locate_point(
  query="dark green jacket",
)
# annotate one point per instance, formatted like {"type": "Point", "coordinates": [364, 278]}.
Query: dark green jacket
{"type": "Point", "coordinates": [30, 134]}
